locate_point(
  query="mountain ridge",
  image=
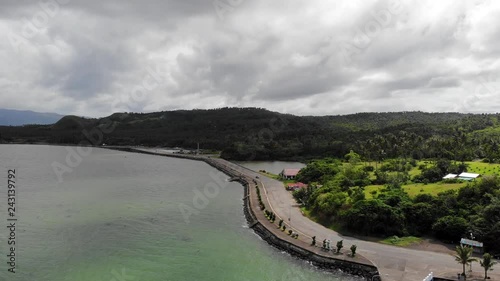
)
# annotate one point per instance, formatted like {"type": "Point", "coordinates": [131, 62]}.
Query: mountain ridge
{"type": "Point", "coordinates": [260, 134]}
{"type": "Point", "coordinates": [12, 117]}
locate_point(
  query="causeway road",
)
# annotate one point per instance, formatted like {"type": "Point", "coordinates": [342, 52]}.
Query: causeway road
{"type": "Point", "coordinates": [394, 263]}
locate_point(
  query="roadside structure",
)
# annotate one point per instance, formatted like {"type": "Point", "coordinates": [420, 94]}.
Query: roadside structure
{"type": "Point", "coordinates": [476, 245]}
{"type": "Point", "coordinates": [289, 174]}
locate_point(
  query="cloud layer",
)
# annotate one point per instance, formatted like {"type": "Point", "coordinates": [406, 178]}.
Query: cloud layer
{"type": "Point", "coordinates": [94, 58]}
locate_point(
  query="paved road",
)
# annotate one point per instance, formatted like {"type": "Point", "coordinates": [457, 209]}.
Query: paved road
{"type": "Point", "coordinates": [394, 263]}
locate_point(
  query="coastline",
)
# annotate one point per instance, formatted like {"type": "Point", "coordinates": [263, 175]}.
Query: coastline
{"type": "Point", "coordinates": [268, 231]}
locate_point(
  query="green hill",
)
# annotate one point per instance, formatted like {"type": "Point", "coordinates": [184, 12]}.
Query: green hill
{"type": "Point", "coordinates": [255, 133]}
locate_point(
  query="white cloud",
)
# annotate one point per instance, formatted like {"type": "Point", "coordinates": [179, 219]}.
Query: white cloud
{"type": "Point", "coordinates": [282, 55]}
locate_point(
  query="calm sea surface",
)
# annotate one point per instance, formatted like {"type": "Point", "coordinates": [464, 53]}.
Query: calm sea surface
{"type": "Point", "coordinates": [274, 167]}
{"type": "Point", "coordinates": [117, 217]}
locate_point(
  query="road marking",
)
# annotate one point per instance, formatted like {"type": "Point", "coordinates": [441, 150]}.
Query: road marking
{"type": "Point", "coordinates": [271, 206]}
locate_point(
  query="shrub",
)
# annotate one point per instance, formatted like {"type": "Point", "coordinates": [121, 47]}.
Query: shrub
{"type": "Point", "coordinates": [353, 250]}
{"type": "Point", "coordinates": [340, 245]}
{"type": "Point", "coordinates": [368, 168]}
{"type": "Point", "coordinates": [450, 228]}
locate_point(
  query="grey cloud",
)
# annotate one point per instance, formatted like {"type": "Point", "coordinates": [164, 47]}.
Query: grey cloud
{"type": "Point", "coordinates": [283, 55]}
{"type": "Point", "coordinates": [443, 82]}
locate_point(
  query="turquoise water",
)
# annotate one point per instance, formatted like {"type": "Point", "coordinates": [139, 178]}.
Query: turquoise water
{"type": "Point", "coordinates": [117, 217]}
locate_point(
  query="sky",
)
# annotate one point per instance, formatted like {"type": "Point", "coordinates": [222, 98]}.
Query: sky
{"type": "Point", "coordinates": [315, 57]}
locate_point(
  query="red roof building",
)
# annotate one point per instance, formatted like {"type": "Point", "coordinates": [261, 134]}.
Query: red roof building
{"type": "Point", "coordinates": [295, 186]}
{"type": "Point", "coordinates": [289, 174]}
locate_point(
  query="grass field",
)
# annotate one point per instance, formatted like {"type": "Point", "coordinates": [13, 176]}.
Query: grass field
{"type": "Point", "coordinates": [417, 188]}
{"type": "Point", "coordinates": [401, 241]}
{"type": "Point", "coordinates": [483, 168]}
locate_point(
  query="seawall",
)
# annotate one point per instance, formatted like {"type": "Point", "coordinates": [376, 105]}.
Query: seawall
{"type": "Point", "coordinates": [267, 232]}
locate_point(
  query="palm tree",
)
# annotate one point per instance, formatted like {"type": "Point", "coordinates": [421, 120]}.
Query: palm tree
{"type": "Point", "coordinates": [487, 263]}
{"type": "Point", "coordinates": [464, 256]}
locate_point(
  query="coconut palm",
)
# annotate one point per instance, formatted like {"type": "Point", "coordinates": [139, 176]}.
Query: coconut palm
{"type": "Point", "coordinates": [487, 263]}
{"type": "Point", "coordinates": [464, 256]}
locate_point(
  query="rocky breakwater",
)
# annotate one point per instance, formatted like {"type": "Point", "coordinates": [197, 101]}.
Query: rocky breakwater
{"type": "Point", "coordinates": [269, 231]}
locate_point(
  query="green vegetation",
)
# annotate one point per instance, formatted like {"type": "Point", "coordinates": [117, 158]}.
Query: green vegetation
{"type": "Point", "coordinates": [270, 175]}
{"type": "Point", "coordinates": [402, 241]}
{"type": "Point", "coordinates": [340, 245]}
{"type": "Point", "coordinates": [258, 134]}
{"type": "Point", "coordinates": [487, 263]}
{"type": "Point", "coordinates": [383, 175]}
{"type": "Point", "coordinates": [353, 250]}
{"type": "Point", "coordinates": [388, 201]}
{"type": "Point", "coordinates": [414, 189]}
{"type": "Point", "coordinates": [464, 256]}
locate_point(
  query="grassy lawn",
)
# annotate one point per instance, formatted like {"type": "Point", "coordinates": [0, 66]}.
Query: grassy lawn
{"type": "Point", "coordinates": [432, 188]}
{"type": "Point", "coordinates": [483, 168]}
{"type": "Point", "coordinates": [273, 176]}
{"type": "Point", "coordinates": [401, 241]}
{"type": "Point", "coordinates": [435, 188]}
{"type": "Point", "coordinates": [418, 188]}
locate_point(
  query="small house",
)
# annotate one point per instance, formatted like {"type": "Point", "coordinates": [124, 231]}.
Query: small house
{"type": "Point", "coordinates": [450, 176]}
{"type": "Point", "coordinates": [468, 176]}
{"type": "Point", "coordinates": [289, 174]}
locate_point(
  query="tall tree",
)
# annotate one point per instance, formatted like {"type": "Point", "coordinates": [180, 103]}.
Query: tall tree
{"type": "Point", "coordinates": [487, 263]}
{"type": "Point", "coordinates": [464, 256]}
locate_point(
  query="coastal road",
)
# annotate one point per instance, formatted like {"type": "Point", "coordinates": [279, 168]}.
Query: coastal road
{"type": "Point", "coordinates": [394, 263]}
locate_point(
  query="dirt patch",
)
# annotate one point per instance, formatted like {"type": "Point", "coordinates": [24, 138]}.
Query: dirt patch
{"type": "Point", "coordinates": [431, 245]}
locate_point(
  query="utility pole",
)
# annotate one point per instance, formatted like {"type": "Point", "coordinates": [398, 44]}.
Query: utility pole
{"type": "Point", "coordinates": [472, 238]}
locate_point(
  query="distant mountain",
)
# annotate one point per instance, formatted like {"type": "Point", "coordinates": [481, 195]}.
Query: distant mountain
{"type": "Point", "coordinates": [9, 117]}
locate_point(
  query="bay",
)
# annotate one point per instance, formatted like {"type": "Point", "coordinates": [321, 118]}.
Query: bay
{"type": "Point", "coordinates": [118, 217]}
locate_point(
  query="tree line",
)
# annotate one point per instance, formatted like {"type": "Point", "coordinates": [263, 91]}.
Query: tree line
{"type": "Point", "coordinates": [336, 196]}
{"type": "Point", "coordinates": [259, 134]}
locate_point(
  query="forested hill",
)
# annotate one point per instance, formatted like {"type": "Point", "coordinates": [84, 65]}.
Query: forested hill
{"type": "Point", "coordinates": [253, 133]}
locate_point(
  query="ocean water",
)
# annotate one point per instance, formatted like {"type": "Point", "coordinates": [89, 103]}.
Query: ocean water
{"type": "Point", "coordinates": [115, 216]}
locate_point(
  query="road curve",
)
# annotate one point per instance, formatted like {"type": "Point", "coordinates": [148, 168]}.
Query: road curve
{"type": "Point", "coordinates": [394, 263]}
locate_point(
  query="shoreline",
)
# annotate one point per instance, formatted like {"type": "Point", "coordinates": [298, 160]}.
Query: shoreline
{"type": "Point", "coordinates": [358, 266]}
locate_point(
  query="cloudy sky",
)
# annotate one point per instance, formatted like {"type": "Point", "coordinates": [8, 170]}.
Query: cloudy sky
{"type": "Point", "coordinates": [311, 57]}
